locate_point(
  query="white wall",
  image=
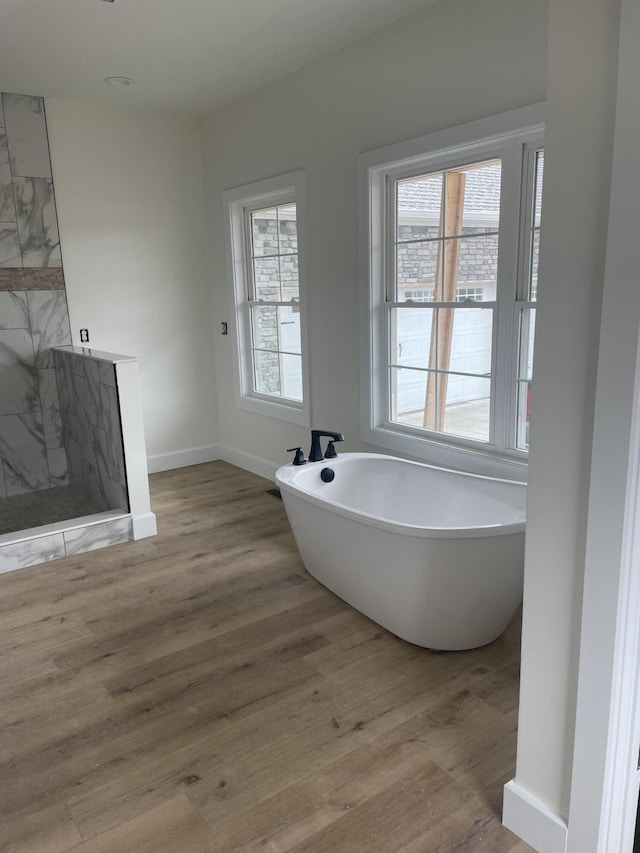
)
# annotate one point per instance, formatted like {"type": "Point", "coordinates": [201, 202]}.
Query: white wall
{"type": "Point", "coordinates": [605, 770]}
{"type": "Point", "coordinates": [130, 199]}
{"type": "Point", "coordinates": [578, 144]}
{"type": "Point", "coordinates": [457, 61]}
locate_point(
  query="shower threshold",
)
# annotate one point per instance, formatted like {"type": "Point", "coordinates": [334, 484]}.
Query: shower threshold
{"type": "Point", "coordinates": [52, 523]}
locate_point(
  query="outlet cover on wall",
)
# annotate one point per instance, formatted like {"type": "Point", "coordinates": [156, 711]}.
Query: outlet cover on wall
{"type": "Point", "coordinates": [84, 336]}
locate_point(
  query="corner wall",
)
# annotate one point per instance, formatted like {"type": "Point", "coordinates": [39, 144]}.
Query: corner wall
{"type": "Point", "coordinates": [583, 56]}
{"type": "Point", "coordinates": [129, 191]}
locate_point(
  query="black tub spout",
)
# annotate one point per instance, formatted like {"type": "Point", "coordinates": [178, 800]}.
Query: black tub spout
{"type": "Point", "coordinates": [316, 454]}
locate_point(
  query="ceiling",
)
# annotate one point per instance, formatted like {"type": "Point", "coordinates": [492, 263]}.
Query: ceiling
{"type": "Point", "coordinates": [186, 55]}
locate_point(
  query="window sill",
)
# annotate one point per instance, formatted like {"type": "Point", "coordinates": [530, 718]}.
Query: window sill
{"type": "Point", "coordinates": [282, 411]}
{"type": "Point", "coordinates": [474, 460]}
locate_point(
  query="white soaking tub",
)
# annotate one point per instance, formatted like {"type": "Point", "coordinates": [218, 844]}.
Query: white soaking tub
{"type": "Point", "coordinates": [435, 556]}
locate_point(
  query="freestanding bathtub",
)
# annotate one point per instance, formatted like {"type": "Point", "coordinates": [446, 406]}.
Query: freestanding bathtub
{"type": "Point", "coordinates": [436, 556]}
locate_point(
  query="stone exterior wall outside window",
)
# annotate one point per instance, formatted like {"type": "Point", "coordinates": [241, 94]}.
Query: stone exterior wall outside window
{"type": "Point", "coordinates": [271, 276]}
{"type": "Point", "coordinates": [417, 261]}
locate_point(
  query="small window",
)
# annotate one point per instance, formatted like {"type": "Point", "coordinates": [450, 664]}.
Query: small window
{"type": "Point", "coordinates": [453, 234]}
{"type": "Point", "coordinates": [426, 295]}
{"type": "Point", "coordinates": [470, 294]}
{"type": "Point", "coordinates": [266, 249]}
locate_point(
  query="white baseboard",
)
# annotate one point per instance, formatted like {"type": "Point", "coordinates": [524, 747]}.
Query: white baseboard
{"type": "Point", "coordinates": [144, 525]}
{"type": "Point", "coordinates": [532, 820]}
{"type": "Point", "coordinates": [197, 455]}
{"type": "Point", "coordinates": [183, 458]}
{"type": "Point", "coordinates": [255, 464]}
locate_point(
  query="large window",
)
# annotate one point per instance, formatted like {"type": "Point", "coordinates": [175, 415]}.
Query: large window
{"type": "Point", "coordinates": [266, 245]}
{"type": "Point", "coordinates": [451, 237]}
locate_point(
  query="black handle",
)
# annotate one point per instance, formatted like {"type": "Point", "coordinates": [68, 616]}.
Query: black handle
{"type": "Point", "coordinates": [330, 452]}
{"type": "Point", "coordinates": [299, 458]}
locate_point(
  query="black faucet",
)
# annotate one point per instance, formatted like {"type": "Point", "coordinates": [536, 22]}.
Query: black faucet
{"type": "Point", "coordinates": [315, 454]}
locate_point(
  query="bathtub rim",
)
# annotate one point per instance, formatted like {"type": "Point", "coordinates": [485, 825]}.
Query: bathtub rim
{"type": "Point", "coordinates": [285, 479]}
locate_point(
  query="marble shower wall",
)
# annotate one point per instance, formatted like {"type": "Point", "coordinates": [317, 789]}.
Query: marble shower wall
{"type": "Point", "coordinates": [33, 305]}
{"type": "Point", "coordinates": [92, 432]}
{"type": "Point", "coordinates": [29, 237]}
{"type": "Point", "coordinates": [32, 454]}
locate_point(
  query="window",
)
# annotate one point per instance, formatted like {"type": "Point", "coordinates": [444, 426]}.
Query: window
{"type": "Point", "coordinates": [427, 295]}
{"type": "Point", "coordinates": [266, 250]}
{"type": "Point", "coordinates": [527, 294]}
{"type": "Point", "coordinates": [451, 237]}
{"type": "Point", "coordinates": [470, 294]}
{"type": "Point", "coordinates": [463, 294]}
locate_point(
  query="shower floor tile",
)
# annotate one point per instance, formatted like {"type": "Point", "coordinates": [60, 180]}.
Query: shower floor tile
{"type": "Point", "coordinates": [46, 506]}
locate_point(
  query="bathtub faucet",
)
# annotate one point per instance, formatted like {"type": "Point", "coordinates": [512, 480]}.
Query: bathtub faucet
{"type": "Point", "coordinates": [316, 454]}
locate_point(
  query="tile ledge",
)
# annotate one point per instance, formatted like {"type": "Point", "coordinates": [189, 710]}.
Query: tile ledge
{"type": "Point", "coordinates": [98, 355]}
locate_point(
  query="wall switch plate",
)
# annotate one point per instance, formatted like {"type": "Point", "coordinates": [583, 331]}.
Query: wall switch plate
{"type": "Point", "coordinates": [225, 328]}
{"type": "Point", "coordinates": [84, 336]}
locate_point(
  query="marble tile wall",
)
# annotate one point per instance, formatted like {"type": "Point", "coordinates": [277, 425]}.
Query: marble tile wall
{"type": "Point", "coordinates": [33, 306]}
{"type": "Point", "coordinates": [92, 433]}
{"type": "Point", "coordinates": [32, 454]}
{"type": "Point", "coordinates": [28, 222]}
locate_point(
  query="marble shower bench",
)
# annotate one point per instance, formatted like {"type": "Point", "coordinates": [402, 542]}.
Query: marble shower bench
{"type": "Point", "coordinates": [101, 414]}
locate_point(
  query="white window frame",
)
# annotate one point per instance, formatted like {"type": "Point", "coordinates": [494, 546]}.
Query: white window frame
{"type": "Point", "coordinates": [503, 136]}
{"type": "Point", "coordinates": [238, 203]}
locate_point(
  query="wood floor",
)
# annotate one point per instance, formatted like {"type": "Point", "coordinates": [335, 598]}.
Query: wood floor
{"type": "Point", "coordinates": [198, 692]}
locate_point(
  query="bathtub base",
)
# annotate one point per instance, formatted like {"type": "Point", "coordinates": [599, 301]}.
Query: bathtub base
{"type": "Point", "coordinates": [442, 594]}
{"type": "Point", "coordinates": [434, 556]}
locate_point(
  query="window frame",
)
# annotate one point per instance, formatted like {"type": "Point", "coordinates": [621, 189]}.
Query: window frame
{"type": "Point", "coordinates": [506, 136]}
{"type": "Point", "coordinates": [239, 202]}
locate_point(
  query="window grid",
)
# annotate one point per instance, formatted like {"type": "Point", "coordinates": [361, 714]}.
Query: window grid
{"type": "Point", "coordinates": [453, 233]}
{"type": "Point", "coordinates": [267, 251]}
{"type": "Point", "coordinates": [510, 411]}
{"type": "Point", "coordinates": [527, 292]}
{"type": "Point", "coordinates": [536, 220]}
{"type": "Point", "coordinates": [271, 358]}
{"type": "Point", "coordinates": [506, 137]}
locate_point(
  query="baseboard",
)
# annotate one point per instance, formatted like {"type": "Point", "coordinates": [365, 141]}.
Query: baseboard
{"type": "Point", "coordinates": [144, 525]}
{"type": "Point", "coordinates": [533, 821]}
{"type": "Point", "coordinates": [183, 458]}
{"type": "Point", "coordinates": [198, 455]}
{"type": "Point", "coordinates": [242, 459]}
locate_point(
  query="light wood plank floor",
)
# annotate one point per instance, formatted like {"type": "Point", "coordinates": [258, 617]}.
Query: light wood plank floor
{"type": "Point", "coordinates": [198, 692]}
